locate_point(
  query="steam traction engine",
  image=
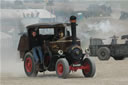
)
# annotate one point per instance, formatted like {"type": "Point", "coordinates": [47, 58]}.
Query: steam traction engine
{"type": "Point", "coordinates": [60, 54]}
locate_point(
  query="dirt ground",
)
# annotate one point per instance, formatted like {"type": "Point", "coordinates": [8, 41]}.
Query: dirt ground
{"type": "Point", "coordinates": [107, 73]}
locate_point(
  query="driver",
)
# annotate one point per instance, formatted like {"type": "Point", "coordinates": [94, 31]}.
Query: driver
{"type": "Point", "coordinates": [61, 34]}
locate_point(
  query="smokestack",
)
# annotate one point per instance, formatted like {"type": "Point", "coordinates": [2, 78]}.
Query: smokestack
{"type": "Point", "coordinates": [73, 28]}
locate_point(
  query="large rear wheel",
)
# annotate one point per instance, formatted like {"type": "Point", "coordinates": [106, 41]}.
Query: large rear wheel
{"type": "Point", "coordinates": [29, 65]}
{"type": "Point", "coordinates": [89, 67]}
{"type": "Point", "coordinates": [62, 68]}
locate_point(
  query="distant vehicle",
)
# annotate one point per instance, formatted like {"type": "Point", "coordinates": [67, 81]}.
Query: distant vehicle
{"type": "Point", "coordinates": [60, 54]}
{"type": "Point", "coordinates": [104, 51]}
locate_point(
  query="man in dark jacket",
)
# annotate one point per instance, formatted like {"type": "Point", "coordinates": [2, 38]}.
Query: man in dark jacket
{"type": "Point", "coordinates": [35, 43]}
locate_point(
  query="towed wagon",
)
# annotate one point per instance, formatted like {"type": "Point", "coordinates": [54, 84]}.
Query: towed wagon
{"type": "Point", "coordinates": [62, 55]}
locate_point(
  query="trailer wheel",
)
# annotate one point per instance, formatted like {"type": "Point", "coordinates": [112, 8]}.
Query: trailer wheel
{"type": "Point", "coordinates": [62, 68]}
{"type": "Point", "coordinates": [118, 58]}
{"type": "Point", "coordinates": [29, 65]}
{"type": "Point", "coordinates": [90, 68]}
{"type": "Point", "coordinates": [103, 53]}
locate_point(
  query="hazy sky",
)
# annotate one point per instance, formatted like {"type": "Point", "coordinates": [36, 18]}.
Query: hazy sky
{"type": "Point", "coordinates": [76, 0]}
{"type": "Point", "coordinates": [8, 0]}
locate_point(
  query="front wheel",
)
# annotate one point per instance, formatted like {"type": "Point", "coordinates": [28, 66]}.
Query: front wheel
{"type": "Point", "coordinates": [89, 68]}
{"type": "Point", "coordinates": [62, 68]}
{"type": "Point", "coordinates": [29, 65]}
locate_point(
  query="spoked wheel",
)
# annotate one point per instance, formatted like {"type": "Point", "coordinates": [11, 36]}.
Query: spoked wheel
{"type": "Point", "coordinates": [89, 67]}
{"type": "Point", "coordinates": [62, 68]}
{"type": "Point", "coordinates": [29, 65]}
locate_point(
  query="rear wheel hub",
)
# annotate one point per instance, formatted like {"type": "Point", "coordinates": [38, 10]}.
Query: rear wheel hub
{"type": "Point", "coordinates": [28, 64]}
